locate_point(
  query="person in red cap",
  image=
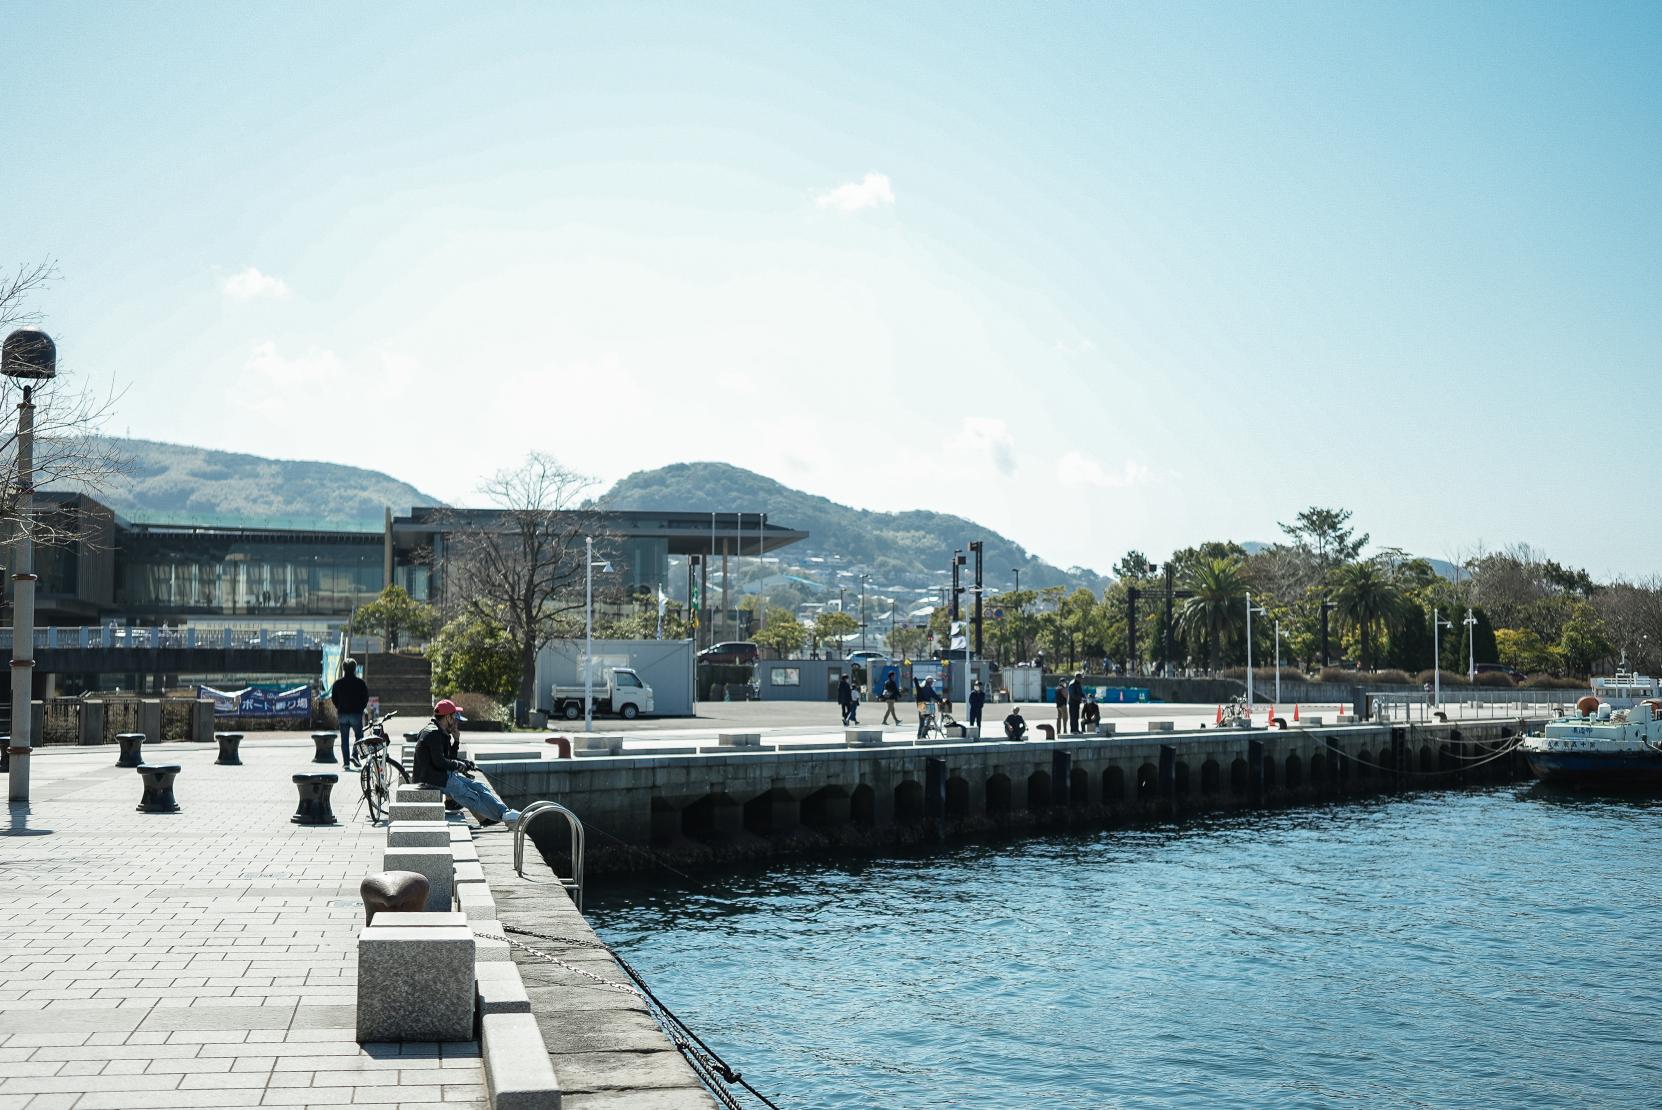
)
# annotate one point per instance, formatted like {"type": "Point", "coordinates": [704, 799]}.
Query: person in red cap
{"type": "Point", "coordinates": [436, 767]}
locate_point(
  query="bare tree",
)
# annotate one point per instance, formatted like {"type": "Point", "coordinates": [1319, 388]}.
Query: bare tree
{"type": "Point", "coordinates": [522, 567]}
{"type": "Point", "coordinates": [69, 454]}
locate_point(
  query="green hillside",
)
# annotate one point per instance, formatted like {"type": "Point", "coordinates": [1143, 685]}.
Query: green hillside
{"type": "Point", "coordinates": [173, 484]}
{"type": "Point", "coordinates": [910, 548]}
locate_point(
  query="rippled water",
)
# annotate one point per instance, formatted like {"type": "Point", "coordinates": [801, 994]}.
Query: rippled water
{"type": "Point", "coordinates": [1486, 948]}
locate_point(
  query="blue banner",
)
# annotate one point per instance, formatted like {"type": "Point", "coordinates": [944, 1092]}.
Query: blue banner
{"type": "Point", "coordinates": [259, 701]}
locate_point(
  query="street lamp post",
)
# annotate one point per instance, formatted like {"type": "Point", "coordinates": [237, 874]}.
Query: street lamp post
{"type": "Point", "coordinates": [1278, 661]}
{"type": "Point", "coordinates": [588, 630]}
{"type": "Point", "coordinates": [1437, 626]}
{"type": "Point", "coordinates": [1250, 609]}
{"type": "Point", "coordinates": [1017, 572]}
{"type": "Point", "coordinates": [29, 355]}
{"type": "Point", "coordinates": [863, 578]}
{"type": "Point", "coordinates": [1471, 647]}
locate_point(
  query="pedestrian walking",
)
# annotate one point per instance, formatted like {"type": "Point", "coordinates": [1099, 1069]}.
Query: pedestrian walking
{"type": "Point", "coordinates": [350, 695]}
{"type": "Point", "coordinates": [977, 699]}
{"type": "Point", "coordinates": [926, 706]}
{"type": "Point", "coordinates": [1076, 698]}
{"type": "Point", "coordinates": [854, 705]}
{"type": "Point", "coordinates": [890, 696]}
{"type": "Point", "coordinates": [845, 695]}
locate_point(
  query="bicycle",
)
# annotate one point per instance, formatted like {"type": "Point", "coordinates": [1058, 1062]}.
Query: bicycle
{"type": "Point", "coordinates": [1235, 711]}
{"type": "Point", "coordinates": [380, 775]}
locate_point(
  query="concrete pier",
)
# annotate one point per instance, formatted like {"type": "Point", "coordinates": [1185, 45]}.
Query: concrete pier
{"type": "Point", "coordinates": [720, 805]}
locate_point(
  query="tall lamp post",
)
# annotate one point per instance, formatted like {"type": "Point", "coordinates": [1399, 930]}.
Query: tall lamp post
{"type": "Point", "coordinates": [1471, 647]}
{"type": "Point", "coordinates": [1437, 626]}
{"type": "Point", "coordinates": [29, 355]}
{"type": "Point", "coordinates": [1278, 661]}
{"type": "Point", "coordinates": [1251, 609]}
{"type": "Point", "coordinates": [588, 629]}
{"type": "Point", "coordinates": [863, 578]}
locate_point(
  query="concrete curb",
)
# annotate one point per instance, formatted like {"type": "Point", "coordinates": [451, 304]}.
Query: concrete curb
{"type": "Point", "coordinates": [518, 1072]}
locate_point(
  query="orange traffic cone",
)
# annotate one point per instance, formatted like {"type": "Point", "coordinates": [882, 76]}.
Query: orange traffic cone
{"type": "Point", "coordinates": [1272, 713]}
{"type": "Point", "coordinates": [1295, 711]}
{"type": "Point", "coordinates": [1219, 721]}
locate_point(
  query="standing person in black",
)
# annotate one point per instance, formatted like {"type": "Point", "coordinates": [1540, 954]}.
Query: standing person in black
{"type": "Point", "coordinates": [350, 695]}
{"type": "Point", "coordinates": [845, 698]}
{"type": "Point", "coordinates": [1061, 708]}
{"type": "Point", "coordinates": [890, 695]}
{"type": "Point", "coordinates": [977, 699]}
{"type": "Point", "coordinates": [1076, 698]}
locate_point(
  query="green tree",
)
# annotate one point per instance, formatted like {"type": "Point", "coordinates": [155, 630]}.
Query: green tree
{"type": "Point", "coordinates": [830, 627]}
{"type": "Point", "coordinates": [1135, 566]}
{"type": "Point", "coordinates": [393, 614]}
{"type": "Point", "coordinates": [1584, 640]}
{"type": "Point", "coordinates": [473, 655]}
{"type": "Point", "coordinates": [781, 632]}
{"type": "Point", "coordinates": [1325, 535]}
{"type": "Point", "coordinates": [1522, 648]}
{"type": "Point", "coordinates": [1367, 598]}
{"type": "Point", "coordinates": [1409, 647]}
{"type": "Point", "coordinates": [907, 641]}
{"type": "Point", "coordinates": [1219, 602]}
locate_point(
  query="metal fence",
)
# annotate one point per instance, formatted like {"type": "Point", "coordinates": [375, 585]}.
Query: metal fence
{"type": "Point", "coordinates": [117, 636]}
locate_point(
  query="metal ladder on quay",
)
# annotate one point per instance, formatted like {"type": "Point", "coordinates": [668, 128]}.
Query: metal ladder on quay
{"type": "Point", "coordinates": [573, 885]}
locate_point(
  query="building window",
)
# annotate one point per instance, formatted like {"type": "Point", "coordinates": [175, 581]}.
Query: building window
{"type": "Point", "coordinates": [785, 676]}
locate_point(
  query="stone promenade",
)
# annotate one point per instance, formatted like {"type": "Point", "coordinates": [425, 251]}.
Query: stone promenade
{"type": "Point", "coordinates": [201, 959]}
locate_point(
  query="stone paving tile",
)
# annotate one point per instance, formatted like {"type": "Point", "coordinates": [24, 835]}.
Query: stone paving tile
{"type": "Point", "coordinates": [199, 959]}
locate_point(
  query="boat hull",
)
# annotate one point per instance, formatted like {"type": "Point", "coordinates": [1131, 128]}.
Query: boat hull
{"type": "Point", "coordinates": [1607, 770]}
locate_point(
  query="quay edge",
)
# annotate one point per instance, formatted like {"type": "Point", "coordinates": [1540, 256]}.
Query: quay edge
{"type": "Point", "coordinates": [644, 810]}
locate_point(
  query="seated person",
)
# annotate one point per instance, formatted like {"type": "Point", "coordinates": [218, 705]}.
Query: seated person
{"type": "Point", "coordinates": [1090, 714]}
{"type": "Point", "coordinates": [436, 767]}
{"type": "Point", "coordinates": [1015, 727]}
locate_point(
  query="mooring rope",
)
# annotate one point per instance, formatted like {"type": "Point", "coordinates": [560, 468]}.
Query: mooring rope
{"type": "Point", "coordinates": [1517, 741]}
{"type": "Point", "coordinates": [714, 1072]}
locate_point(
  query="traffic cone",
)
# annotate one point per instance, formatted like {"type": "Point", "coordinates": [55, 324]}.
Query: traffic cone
{"type": "Point", "coordinates": [1295, 711]}
{"type": "Point", "coordinates": [1272, 713]}
{"type": "Point", "coordinates": [1219, 721]}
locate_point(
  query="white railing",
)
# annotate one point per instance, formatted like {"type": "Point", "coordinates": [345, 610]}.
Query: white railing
{"type": "Point", "coordinates": [116, 637]}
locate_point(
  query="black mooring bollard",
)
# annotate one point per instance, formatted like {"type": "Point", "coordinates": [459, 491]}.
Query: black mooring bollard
{"type": "Point", "coordinates": [314, 798]}
{"type": "Point", "coordinates": [325, 742]}
{"type": "Point", "coordinates": [132, 749]}
{"type": "Point", "coordinates": [158, 788]}
{"type": "Point", "coordinates": [5, 755]}
{"type": "Point", "coordinates": [229, 743]}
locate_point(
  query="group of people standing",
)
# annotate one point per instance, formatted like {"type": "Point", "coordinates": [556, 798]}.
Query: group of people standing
{"type": "Point", "coordinates": [1076, 711]}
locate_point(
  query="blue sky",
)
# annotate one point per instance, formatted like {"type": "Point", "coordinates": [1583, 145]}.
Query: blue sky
{"type": "Point", "coordinates": [1099, 276]}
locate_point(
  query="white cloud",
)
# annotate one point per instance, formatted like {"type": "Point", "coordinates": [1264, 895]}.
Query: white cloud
{"type": "Point", "coordinates": [250, 284]}
{"type": "Point", "coordinates": [1076, 469]}
{"type": "Point", "coordinates": [316, 367]}
{"type": "Point", "coordinates": [871, 191]}
{"type": "Point", "coordinates": [992, 436]}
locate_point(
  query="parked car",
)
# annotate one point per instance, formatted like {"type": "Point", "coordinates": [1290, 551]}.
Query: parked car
{"type": "Point", "coordinates": [865, 658]}
{"type": "Point", "coordinates": [733, 651]}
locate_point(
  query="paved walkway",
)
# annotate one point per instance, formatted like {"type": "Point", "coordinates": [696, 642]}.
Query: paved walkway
{"type": "Point", "coordinates": [200, 959]}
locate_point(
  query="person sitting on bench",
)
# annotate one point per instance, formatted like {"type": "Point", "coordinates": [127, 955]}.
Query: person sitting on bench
{"type": "Point", "coordinates": [1090, 714]}
{"type": "Point", "coordinates": [435, 768]}
{"type": "Point", "coordinates": [1015, 728]}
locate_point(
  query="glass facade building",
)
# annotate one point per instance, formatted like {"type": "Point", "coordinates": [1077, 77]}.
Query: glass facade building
{"type": "Point", "coordinates": [251, 573]}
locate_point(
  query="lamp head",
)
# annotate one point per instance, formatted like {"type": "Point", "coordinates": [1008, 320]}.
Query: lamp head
{"type": "Point", "coordinates": [29, 353]}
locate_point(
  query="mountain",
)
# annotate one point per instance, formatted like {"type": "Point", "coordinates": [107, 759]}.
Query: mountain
{"type": "Point", "coordinates": [166, 483]}
{"type": "Point", "coordinates": [898, 549]}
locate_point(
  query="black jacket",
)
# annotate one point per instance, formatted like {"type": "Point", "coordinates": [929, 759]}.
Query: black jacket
{"type": "Point", "coordinates": [350, 694]}
{"type": "Point", "coordinates": [845, 692]}
{"type": "Point", "coordinates": [432, 757]}
{"type": "Point", "coordinates": [1076, 692]}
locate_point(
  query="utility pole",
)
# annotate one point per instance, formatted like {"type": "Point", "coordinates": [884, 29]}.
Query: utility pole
{"type": "Point", "coordinates": [1131, 594]}
{"type": "Point", "coordinates": [976, 547]}
{"type": "Point", "coordinates": [1166, 652]}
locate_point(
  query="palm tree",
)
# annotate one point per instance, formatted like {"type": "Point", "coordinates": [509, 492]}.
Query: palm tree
{"type": "Point", "coordinates": [1366, 593]}
{"type": "Point", "coordinates": [1219, 602]}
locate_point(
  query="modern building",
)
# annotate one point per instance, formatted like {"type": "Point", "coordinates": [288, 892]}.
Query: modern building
{"type": "Point", "coordinates": [110, 569]}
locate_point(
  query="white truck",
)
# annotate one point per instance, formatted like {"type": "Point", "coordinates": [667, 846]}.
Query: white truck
{"type": "Point", "coordinates": [616, 690]}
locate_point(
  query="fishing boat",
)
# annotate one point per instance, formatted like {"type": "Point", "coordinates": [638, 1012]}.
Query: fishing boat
{"type": "Point", "coordinates": [1599, 744]}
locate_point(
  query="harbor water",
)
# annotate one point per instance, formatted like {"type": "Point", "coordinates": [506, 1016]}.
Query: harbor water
{"type": "Point", "coordinates": [1461, 949]}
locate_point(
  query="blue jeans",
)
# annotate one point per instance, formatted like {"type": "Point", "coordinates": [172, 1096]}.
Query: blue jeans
{"type": "Point", "coordinates": [349, 723]}
{"type": "Point", "coordinates": [475, 795]}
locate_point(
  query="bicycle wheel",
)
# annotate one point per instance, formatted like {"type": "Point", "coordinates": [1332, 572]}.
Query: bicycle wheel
{"type": "Point", "coordinates": [374, 792]}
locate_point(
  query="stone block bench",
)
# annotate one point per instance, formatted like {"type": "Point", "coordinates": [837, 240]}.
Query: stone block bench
{"type": "Point", "coordinates": [418, 834]}
{"type": "Point", "coordinates": [435, 863]}
{"type": "Point", "coordinates": [434, 1005]}
{"type": "Point", "coordinates": [739, 739]}
{"type": "Point", "coordinates": [862, 737]}
{"type": "Point", "coordinates": [415, 811]}
{"type": "Point", "coordinates": [1162, 726]}
{"type": "Point", "coordinates": [1105, 729]}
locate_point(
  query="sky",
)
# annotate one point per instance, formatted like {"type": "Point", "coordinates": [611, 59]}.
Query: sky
{"type": "Point", "coordinates": [1098, 276]}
